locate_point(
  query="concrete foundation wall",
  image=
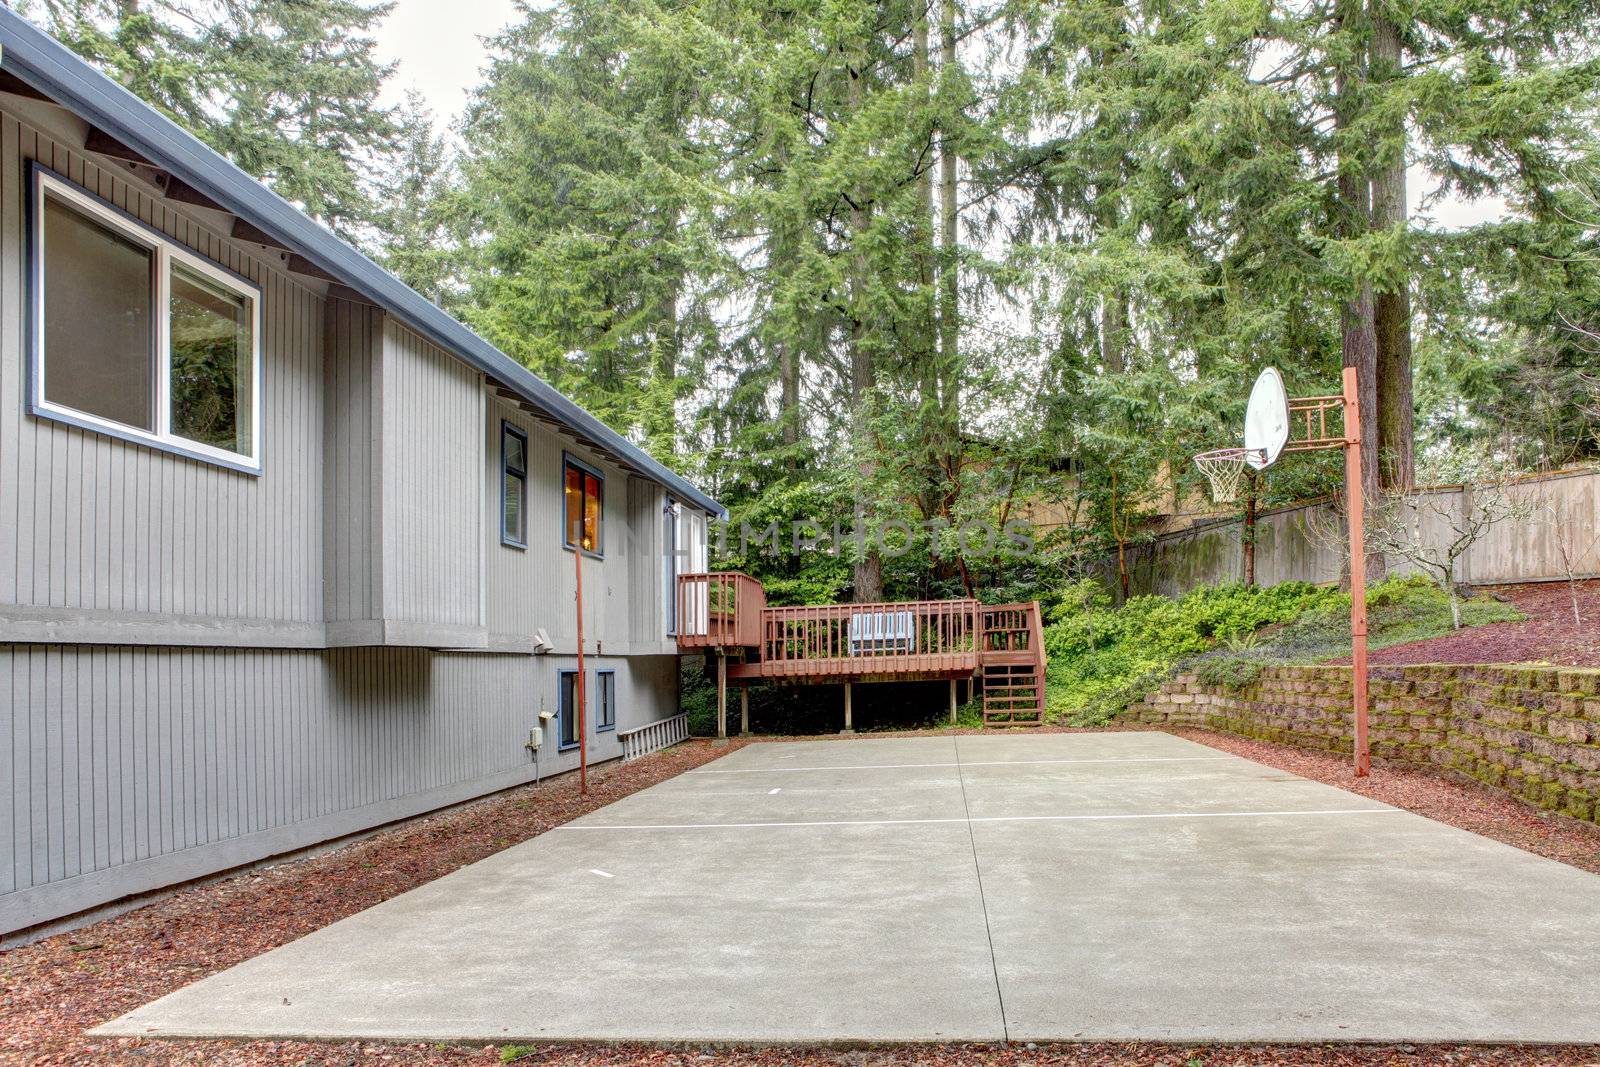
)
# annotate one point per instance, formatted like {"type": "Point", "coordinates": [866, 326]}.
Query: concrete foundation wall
{"type": "Point", "coordinates": [1532, 732]}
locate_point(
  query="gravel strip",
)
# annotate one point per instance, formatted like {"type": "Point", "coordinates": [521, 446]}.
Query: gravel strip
{"type": "Point", "coordinates": [52, 991]}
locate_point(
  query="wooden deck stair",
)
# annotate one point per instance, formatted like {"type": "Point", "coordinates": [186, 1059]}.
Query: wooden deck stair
{"type": "Point", "coordinates": [1012, 665]}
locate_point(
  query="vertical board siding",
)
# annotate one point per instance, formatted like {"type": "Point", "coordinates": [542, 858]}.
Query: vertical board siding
{"type": "Point", "coordinates": [120, 754]}
{"type": "Point", "coordinates": [646, 610]}
{"type": "Point", "coordinates": [94, 523]}
{"type": "Point", "coordinates": [533, 588]}
{"type": "Point", "coordinates": [433, 409]}
{"type": "Point", "coordinates": [351, 473]}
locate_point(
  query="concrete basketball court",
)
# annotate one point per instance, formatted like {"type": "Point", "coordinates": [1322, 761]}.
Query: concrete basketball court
{"type": "Point", "coordinates": [1061, 886]}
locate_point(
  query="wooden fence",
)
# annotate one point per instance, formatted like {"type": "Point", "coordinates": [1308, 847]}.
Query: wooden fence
{"type": "Point", "coordinates": [1566, 507]}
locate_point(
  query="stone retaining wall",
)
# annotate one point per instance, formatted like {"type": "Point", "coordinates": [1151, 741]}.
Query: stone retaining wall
{"type": "Point", "coordinates": [1533, 732]}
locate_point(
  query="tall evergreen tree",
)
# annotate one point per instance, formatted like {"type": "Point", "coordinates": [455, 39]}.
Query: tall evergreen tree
{"type": "Point", "coordinates": [286, 89]}
{"type": "Point", "coordinates": [420, 223]}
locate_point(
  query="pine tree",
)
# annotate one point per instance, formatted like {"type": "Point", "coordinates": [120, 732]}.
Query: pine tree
{"type": "Point", "coordinates": [421, 235]}
{"type": "Point", "coordinates": [585, 172]}
{"type": "Point", "coordinates": [286, 89]}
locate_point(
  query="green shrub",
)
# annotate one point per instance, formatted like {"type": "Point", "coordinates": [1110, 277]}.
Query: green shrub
{"type": "Point", "coordinates": [1103, 659]}
{"type": "Point", "coordinates": [1229, 672]}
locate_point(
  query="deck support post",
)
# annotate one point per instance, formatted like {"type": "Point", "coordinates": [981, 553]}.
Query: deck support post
{"type": "Point", "coordinates": [744, 711]}
{"type": "Point", "coordinates": [952, 702]}
{"type": "Point", "coordinates": [849, 726]}
{"type": "Point", "coordinates": [722, 695]}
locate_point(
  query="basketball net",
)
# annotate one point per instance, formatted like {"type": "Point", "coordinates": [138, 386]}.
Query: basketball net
{"type": "Point", "coordinates": [1224, 469]}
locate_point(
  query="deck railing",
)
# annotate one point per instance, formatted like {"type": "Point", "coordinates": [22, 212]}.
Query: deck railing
{"type": "Point", "coordinates": [923, 628]}
{"type": "Point", "coordinates": [653, 737]}
{"type": "Point", "coordinates": [719, 610]}
{"type": "Point", "coordinates": [1013, 628]}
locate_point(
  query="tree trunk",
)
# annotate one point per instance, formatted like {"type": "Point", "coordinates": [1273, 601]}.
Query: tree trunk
{"type": "Point", "coordinates": [1392, 310]}
{"type": "Point", "coordinates": [661, 428]}
{"type": "Point", "coordinates": [1357, 328]}
{"type": "Point", "coordinates": [1114, 332]}
{"type": "Point", "coordinates": [863, 372]}
{"type": "Point", "coordinates": [789, 401]}
{"type": "Point", "coordinates": [949, 245]}
{"type": "Point", "coordinates": [1248, 540]}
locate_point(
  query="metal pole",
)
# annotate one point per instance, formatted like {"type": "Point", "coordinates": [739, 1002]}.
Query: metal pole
{"type": "Point", "coordinates": [1355, 507]}
{"type": "Point", "coordinates": [583, 732]}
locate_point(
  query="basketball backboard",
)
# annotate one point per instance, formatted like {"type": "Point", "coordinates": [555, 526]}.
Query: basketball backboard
{"type": "Point", "coordinates": [1266, 420]}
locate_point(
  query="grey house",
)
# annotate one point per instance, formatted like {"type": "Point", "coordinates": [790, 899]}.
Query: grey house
{"type": "Point", "coordinates": [285, 551]}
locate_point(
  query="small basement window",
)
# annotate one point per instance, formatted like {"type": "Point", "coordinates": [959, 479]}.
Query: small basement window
{"type": "Point", "coordinates": [605, 702]}
{"type": "Point", "coordinates": [513, 486]}
{"type": "Point", "coordinates": [135, 336]}
{"type": "Point", "coordinates": [567, 702]}
{"type": "Point", "coordinates": [585, 499]}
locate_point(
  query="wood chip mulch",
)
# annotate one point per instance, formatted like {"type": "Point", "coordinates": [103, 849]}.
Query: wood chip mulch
{"type": "Point", "coordinates": [1549, 634]}
{"type": "Point", "coordinates": [50, 992]}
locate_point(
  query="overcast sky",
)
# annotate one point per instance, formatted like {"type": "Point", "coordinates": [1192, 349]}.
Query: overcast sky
{"type": "Point", "coordinates": [437, 45]}
{"type": "Point", "coordinates": [439, 48]}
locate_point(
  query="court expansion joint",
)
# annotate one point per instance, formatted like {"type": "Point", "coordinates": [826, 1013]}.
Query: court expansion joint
{"type": "Point", "coordinates": [983, 901]}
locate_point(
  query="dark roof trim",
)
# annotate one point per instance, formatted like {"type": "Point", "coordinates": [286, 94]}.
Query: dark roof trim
{"type": "Point", "coordinates": [54, 70]}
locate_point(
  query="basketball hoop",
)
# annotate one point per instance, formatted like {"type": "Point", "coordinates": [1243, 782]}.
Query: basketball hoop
{"type": "Point", "coordinates": [1269, 421]}
{"type": "Point", "coordinates": [1224, 467]}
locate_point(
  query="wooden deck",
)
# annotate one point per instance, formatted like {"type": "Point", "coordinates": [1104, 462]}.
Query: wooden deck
{"type": "Point", "coordinates": [1002, 646]}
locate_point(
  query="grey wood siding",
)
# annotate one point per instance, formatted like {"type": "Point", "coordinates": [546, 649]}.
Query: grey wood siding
{"type": "Point", "coordinates": [99, 533]}
{"type": "Point", "coordinates": [432, 464]}
{"type": "Point", "coordinates": [129, 768]}
{"type": "Point", "coordinates": [167, 706]}
{"type": "Point", "coordinates": [351, 475]}
{"type": "Point", "coordinates": [535, 587]}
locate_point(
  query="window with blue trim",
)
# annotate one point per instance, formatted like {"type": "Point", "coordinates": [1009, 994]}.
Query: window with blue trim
{"type": "Point", "coordinates": [605, 700]}
{"type": "Point", "coordinates": [513, 486]}
{"type": "Point", "coordinates": [585, 501]}
{"type": "Point", "coordinates": [567, 701]}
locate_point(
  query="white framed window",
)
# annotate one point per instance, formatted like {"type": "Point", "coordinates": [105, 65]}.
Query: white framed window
{"type": "Point", "coordinates": [135, 336]}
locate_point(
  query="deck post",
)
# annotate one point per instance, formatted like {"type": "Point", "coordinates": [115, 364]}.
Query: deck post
{"type": "Point", "coordinates": [722, 695]}
{"type": "Point", "coordinates": [952, 702]}
{"type": "Point", "coordinates": [744, 711]}
{"type": "Point", "coordinates": [849, 728]}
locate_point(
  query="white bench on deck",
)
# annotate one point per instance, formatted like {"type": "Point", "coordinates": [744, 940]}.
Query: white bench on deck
{"type": "Point", "coordinates": [875, 632]}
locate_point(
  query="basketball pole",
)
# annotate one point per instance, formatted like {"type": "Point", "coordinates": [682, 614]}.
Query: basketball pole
{"type": "Point", "coordinates": [583, 726]}
{"type": "Point", "coordinates": [1355, 508]}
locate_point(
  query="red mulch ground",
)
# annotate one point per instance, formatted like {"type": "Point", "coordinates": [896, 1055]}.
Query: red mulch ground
{"type": "Point", "coordinates": [1548, 635]}
{"type": "Point", "coordinates": [52, 991]}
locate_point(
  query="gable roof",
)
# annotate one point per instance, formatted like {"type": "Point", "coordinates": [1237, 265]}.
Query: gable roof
{"type": "Point", "coordinates": [49, 67]}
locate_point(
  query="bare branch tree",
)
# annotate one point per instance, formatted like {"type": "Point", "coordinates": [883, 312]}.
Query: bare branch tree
{"type": "Point", "coordinates": [1576, 536]}
{"type": "Point", "coordinates": [1434, 530]}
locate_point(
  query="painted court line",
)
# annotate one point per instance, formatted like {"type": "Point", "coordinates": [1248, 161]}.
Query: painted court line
{"type": "Point", "coordinates": [979, 763]}
{"type": "Point", "coordinates": [984, 819]}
